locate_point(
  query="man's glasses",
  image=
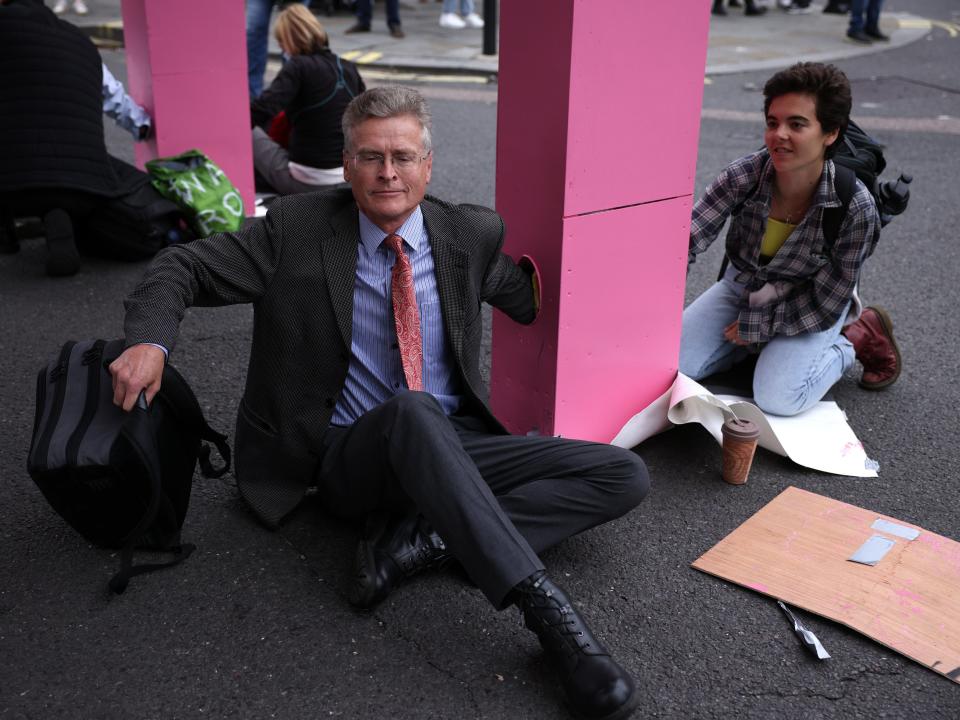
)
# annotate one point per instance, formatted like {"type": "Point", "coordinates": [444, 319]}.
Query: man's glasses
{"type": "Point", "coordinates": [402, 161]}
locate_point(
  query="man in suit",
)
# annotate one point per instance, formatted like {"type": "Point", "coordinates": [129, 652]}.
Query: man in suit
{"type": "Point", "coordinates": [364, 382]}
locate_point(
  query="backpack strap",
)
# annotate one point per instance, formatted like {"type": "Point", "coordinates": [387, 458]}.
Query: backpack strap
{"type": "Point", "coordinates": [187, 409]}
{"type": "Point", "coordinates": [845, 183]}
{"type": "Point", "coordinates": [206, 467]}
{"type": "Point", "coordinates": [340, 84]}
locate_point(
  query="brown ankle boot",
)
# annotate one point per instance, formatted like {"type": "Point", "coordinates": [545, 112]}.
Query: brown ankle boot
{"type": "Point", "coordinates": [877, 351]}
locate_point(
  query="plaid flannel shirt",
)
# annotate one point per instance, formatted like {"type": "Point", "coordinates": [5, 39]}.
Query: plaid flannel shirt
{"type": "Point", "coordinates": [821, 280]}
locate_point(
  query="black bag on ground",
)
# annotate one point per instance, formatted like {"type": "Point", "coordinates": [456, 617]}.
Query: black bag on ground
{"type": "Point", "coordinates": [136, 225]}
{"type": "Point", "coordinates": [122, 480]}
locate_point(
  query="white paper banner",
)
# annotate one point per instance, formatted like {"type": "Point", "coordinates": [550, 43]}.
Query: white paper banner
{"type": "Point", "coordinates": [818, 438]}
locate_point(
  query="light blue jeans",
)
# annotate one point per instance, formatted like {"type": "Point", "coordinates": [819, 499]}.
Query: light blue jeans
{"type": "Point", "coordinates": [450, 6]}
{"type": "Point", "coordinates": [792, 374]}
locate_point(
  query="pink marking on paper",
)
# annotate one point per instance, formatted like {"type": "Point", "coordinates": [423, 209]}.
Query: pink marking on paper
{"type": "Point", "coordinates": [759, 587]}
{"type": "Point", "coordinates": [851, 446]}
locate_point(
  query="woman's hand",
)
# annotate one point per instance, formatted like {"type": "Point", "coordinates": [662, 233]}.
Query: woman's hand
{"type": "Point", "coordinates": [732, 333]}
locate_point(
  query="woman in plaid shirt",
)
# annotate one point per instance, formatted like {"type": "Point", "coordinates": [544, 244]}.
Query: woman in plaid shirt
{"type": "Point", "coordinates": [786, 294]}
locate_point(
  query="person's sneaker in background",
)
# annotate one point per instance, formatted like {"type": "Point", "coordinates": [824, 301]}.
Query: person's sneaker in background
{"type": "Point", "coordinates": [452, 21]}
{"type": "Point", "coordinates": [859, 36]}
{"type": "Point", "coordinates": [837, 8]}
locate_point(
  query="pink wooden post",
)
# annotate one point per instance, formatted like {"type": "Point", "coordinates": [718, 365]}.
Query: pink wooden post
{"type": "Point", "coordinates": [187, 64]}
{"type": "Point", "coordinates": [598, 122]}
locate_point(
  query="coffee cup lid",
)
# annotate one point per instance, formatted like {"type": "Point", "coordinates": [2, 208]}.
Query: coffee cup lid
{"type": "Point", "coordinates": [740, 428]}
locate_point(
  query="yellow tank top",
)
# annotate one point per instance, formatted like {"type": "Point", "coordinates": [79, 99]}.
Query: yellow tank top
{"type": "Point", "coordinates": [776, 234]}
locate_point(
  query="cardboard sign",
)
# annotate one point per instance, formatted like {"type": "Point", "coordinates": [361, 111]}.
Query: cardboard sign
{"type": "Point", "coordinates": [799, 548]}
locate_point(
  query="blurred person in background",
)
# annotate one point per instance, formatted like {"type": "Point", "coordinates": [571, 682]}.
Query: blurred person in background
{"type": "Point", "coordinates": [312, 90]}
{"type": "Point", "coordinates": [467, 18]}
{"type": "Point", "coordinates": [79, 7]}
{"type": "Point", "coordinates": [258, 32]}
{"type": "Point", "coordinates": [865, 21]}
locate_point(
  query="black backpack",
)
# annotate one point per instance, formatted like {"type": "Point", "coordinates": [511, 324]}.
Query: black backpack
{"type": "Point", "coordinates": [136, 225]}
{"type": "Point", "coordinates": [864, 155]}
{"type": "Point", "coordinates": [857, 156]}
{"type": "Point", "coordinates": [122, 480]}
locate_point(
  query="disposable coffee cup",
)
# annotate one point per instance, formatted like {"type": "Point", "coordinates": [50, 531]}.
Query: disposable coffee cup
{"type": "Point", "coordinates": [739, 445]}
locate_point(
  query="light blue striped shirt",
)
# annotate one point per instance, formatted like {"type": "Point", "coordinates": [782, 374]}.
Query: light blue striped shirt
{"type": "Point", "coordinates": [375, 373]}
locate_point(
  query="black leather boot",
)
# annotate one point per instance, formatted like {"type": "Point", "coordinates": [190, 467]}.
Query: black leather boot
{"type": "Point", "coordinates": [393, 548]}
{"type": "Point", "coordinates": [62, 256]}
{"type": "Point", "coordinates": [9, 244]}
{"type": "Point", "coordinates": [596, 686]}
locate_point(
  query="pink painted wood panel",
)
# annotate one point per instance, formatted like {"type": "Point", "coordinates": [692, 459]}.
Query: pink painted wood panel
{"type": "Point", "coordinates": [531, 164]}
{"type": "Point", "coordinates": [598, 119]}
{"type": "Point", "coordinates": [620, 307]}
{"type": "Point", "coordinates": [187, 64]}
{"type": "Point", "coordinates": [636, 89]}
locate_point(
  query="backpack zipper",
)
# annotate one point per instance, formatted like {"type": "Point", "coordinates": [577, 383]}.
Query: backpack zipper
{"type": "Point", "coordinates": [91, 358]}
{"type": "Point", "coordinates": [58, 375]}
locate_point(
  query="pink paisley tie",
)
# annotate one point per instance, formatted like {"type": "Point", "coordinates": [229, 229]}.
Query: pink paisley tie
{"type": "Point", "coordinates": [406, 316]}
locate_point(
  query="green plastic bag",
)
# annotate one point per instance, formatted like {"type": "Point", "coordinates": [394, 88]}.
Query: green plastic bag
{"type": "Point", "coordinates": [195, 183]}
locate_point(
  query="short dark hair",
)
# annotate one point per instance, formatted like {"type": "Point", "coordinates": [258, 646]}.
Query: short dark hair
{"type": "Point", "coordinates": [828, 86]}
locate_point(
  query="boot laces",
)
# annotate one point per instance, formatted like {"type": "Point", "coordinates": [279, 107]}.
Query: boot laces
{"type": "Point", "coordinates": [563, 629]}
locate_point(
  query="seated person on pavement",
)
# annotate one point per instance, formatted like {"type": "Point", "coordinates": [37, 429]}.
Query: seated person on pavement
{"type": "Point", "coordinates": [312, 89]}
{"type": "Point", "coordinates": [364, 381]}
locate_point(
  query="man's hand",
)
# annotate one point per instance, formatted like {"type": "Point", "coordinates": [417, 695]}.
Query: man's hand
{"type": "Point", "coordinates": [527, 264]}
{"type": "Point", "coordinates": [732, 333]}
{"type": "Point", "coordinates": [139, 367]}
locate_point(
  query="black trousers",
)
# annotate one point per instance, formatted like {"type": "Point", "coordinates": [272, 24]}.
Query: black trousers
{"type": "Point", "coordinates": [496, 500]}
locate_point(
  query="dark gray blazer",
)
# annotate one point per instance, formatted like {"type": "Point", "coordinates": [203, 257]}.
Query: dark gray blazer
{"type": "Point", "coordinates": [297, 266]}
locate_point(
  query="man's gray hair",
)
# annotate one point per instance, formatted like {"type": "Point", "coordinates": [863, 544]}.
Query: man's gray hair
{"type": "Point", "coordinates": [385, 102]}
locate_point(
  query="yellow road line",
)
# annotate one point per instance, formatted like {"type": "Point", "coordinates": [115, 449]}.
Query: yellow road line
{"type": "Point", "coordinates": [924, 24]}
{"type": "Point", "coordinates": [351, 55]}
{"type": "Point", "coordinates": [950, 27]}
{"type": "Point", "coordinates": [369, 57]}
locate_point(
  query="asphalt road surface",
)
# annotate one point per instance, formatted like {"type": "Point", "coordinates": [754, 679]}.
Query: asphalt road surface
{"type": "Point", "coordinates": [256, 624]}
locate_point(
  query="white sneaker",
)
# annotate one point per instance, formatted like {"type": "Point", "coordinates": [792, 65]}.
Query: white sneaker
{"type": "Point", "coordinates": [452, 20]}
{"type": "Point", "coordinates": [61, 7]}
{"type": "Point", "coordinates": [474, 20]}
{"type": "Point", "coordinates": [80, 7]}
